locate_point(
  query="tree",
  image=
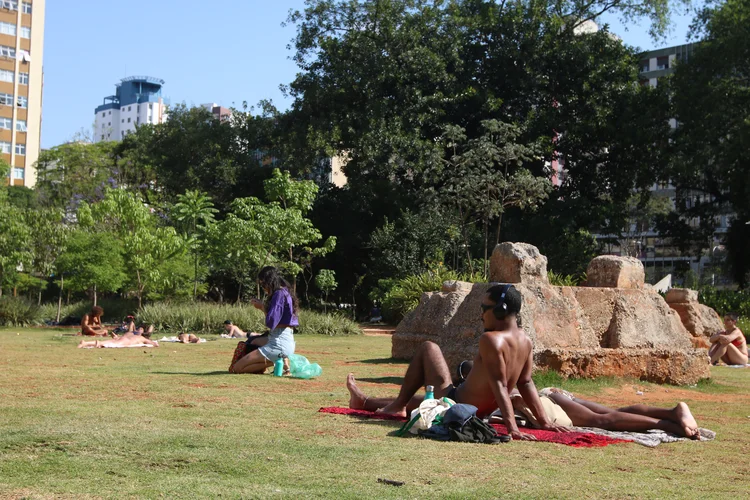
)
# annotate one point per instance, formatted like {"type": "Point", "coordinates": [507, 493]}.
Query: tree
{"type": "Point", "coordinates": [91, 262]}
{"type": "Point", "coordinates": [15, 241]}
{"type": "Point", "coordinates": [48, 238]}
{"type": "Point", "coordinates": [75, 172]}
{"type": "Point", "coordinates": [711, 105]}
{"type": "Point", "coordinates": [146, 244]}
{"type": "Point", "coordinates": [326, 283]}
{"type": "Point", "coordinates": [194, 211]}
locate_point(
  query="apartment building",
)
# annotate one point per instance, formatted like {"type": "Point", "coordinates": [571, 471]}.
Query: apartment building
{"type": "Point", "coordinates": [137, 100]}
{"type": "Point", "coordinates": [659, 256]}
{"type": "Point", "coordinates": [21, 83]}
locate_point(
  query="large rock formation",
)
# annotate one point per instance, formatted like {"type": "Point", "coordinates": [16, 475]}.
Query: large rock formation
{"type": "Point", "coordinates": [580, 331]}
{"type": "Point", "coordinates": [700, 320]}
{"type": "Point", "coordinates": [615, 272]}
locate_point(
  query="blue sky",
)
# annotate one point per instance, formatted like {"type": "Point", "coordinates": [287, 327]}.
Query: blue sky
{"type": "Point", "coordinates": [223, 51]}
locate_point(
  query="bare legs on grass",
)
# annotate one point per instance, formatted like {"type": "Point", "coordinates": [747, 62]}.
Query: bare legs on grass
{"type": "Point", "coordinates": [637, 418]}
{"type": "Point", "coordinates": [427, 368]}
{"type": "Point", "coordinates": [728, 353]}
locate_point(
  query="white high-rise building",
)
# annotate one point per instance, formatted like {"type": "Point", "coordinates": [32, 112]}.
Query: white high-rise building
{"type": "Point", "coordinates": [138, 100]}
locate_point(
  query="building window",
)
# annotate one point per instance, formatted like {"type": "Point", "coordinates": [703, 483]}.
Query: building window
{"type": "Point", "coordinates": [4, 147]}
{"type": "Point", "coordinates": [21, 149]}
{"type": "Point", "coordinates": [10, 4]}
{"type": "Point", "coordinates": [109, 124]}
{"type": "Point", "coordinates": [129, 108]}
{"type": "Point", "coordinates": [128, 120]}
{"type": "Point", "coordinates": [662, 62]}
{"type": "Point", "coordinates": [644, 65]}
{"type": "Point", "coordinates": [6, 123]}
{"type": "Point", "coordinates": [6, 51]}
{"type": "Point", "coordinates": [23, 78]}
{"type": "Point", "coordinates": [21, 125]}
{"type": "Point", "coordinates": [7, 29]}
{"type": "Point", "coordinates": [6, 76]}
{"type": "Point", "coordinates": [23, 102]}
{"type": "Point", "coordinates": [18, 173]}
{"type": "Point", "coordinates": [25, 32]}
{"type": "Point", "coordinates": [110, 112]}
{"type": "Point", "coordinates": [104, 114]}
{"type": "Point", "coordinates": [6, 99]}
{"type": "Point", "coordinates": [102, 136]}
{"type": "Point", "coordinates": [123, 120]}
{"type": "Point", "coordinates": [26, 8]}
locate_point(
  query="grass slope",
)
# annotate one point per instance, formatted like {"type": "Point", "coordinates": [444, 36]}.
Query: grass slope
{"type": "Point", "coordinates": [172, 422]}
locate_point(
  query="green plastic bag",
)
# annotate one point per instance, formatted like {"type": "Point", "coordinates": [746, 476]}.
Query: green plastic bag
{"type": "Point", "coordinates": [302, 368]}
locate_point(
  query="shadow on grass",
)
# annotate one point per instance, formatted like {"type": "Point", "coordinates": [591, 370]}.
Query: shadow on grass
{"type": "Point", "coordinates": [195, 374]}
{"type": "Point", "coordinates": [383, 380]}
{"type": "Point", "coordinates": [380, 361]}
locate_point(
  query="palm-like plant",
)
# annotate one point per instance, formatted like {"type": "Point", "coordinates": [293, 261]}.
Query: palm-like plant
{"type": "Point", "coordinates": [194, 211]}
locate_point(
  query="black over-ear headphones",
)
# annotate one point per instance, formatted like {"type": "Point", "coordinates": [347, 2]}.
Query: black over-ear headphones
{"type": "Point", "coordinates": [501, 308]}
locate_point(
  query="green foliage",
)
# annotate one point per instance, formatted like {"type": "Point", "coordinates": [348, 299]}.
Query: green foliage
{"type": "Point", "coordinates": [400, 297]}
{"type": "Point", "coordinates": [92, 261]}
{"type": "Point", "coordinates": [194, 211]}
{"type": "Point", "coordinates": [18, 311]}
{"type": "Point", "coordinates": [207, 318]}
{"type": "Point", "coordinates": [326, 283]}
{"type": "Point", "coordinates": [556, 279]}
{"type": "Point", "coordinates": [15, 241]}
{"type": "Point", "coordinates": [115, 310]}
{"type": "Point", "coordinates": [726, 301]}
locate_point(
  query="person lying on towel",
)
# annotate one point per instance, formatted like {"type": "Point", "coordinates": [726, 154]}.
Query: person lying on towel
{"type": "Point", "coordinates": [138, 337]}
{"type": "Point", "coordinates": [504, 361]}
{"type": "Point", "coordinates": [563, 408]}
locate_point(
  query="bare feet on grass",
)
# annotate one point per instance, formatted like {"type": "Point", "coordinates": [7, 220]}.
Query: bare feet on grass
{"type": "Point", "coordinates": [393, 409]}
{"type": "Point", "coordinates": [357, 398]}
{"type": "Point", "coordinates": [686, 420]}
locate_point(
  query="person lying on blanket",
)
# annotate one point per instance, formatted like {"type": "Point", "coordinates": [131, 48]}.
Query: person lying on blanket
{"type": "Point", "coordinates": [565, 409]}
{"type": "Point", "coordinates": [730, 345]}
{"type": "Point", "coordinates": [126, 340]}
{"type": "Point", "coordinates": [188, 338]}
{"type": "Point", "coordinates": [504, 361]}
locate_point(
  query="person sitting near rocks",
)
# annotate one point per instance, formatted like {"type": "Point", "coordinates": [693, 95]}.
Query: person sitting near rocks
{"type": "Point", "coordinates": [126, 340]}
{"type": "Point", "coordinates": [729, 346]}
{"type": "Point", "coordinates": [91, 324]}
{"type": "Point", "coordinates": [504, 361]}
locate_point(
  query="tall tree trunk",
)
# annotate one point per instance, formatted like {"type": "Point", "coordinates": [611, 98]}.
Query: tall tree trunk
{"type": "Point", "coordinates": [94, 294]}
{"type": "Point", "coordinates": [466, 241]}
{"type": "Point", "coordinates": [239, 293]}
{"type": "Point", "coordinates": [15, 290]}
{"type": "Point", "coordinates": [67, 302]}
{"type": "Point", "coordinates": [39, 296]}
{"type": "Point", "coordinates": [140, 289]}
{"type": "Point", "coordinates": [486, 237]}
{"type": "Point", "coordinates": [59, 298]}
{"type": "Point", "coordinates": [195, 278]}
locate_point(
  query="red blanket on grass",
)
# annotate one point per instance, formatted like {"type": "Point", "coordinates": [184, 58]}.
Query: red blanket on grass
{"type": "Point", "coordinates": [575, 439]}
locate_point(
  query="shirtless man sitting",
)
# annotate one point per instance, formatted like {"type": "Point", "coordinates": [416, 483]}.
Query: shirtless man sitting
{"type": "Point", "coordinates": [504, 361]}
{"type": "Point", "coordinates": [730, 345]}
{"type": "Point", "coordinates": [91, 324]}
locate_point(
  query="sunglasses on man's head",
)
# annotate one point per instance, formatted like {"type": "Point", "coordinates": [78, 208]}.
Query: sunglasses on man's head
{"type": "Point", "coordinates": [486, 307]}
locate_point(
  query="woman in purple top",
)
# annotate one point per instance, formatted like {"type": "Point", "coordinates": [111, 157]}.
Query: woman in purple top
{"type": "Point", "coordinates": [281, 316]}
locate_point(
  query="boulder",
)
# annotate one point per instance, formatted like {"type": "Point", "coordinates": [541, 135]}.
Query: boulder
{"type": "Point", "coordinates": [671, 366]}
{"type": "Point", "coordinates": [456, 286]}
{"type": "Point", "coordinates": [610, 271]}
{"type": "Point", "coordinates": [681, 295]}
{"type": "Point", "coordinates": [699, 320]}
{"type": "Point", "coordinates": [517, 263]}
{"type": "Point", "coordinates": [583, 331]}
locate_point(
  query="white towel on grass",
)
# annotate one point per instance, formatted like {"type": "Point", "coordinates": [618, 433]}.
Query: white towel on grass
{"type": "Point", "coordinates": [175, 339]}
{"type": "Point", "coordinates": [117, 346]}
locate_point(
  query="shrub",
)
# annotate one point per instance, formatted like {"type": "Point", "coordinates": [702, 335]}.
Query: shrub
{"type": "Point", "coordinates": [726, 301]}
{"type": "Point", "coordinates": [206, 318]}
{"type": "Point", "coordinates": [18, 311]}
{"type": "Point", "coordinates": [114, 310]}
{"type": "Point", "coordinates": [556, 279]}
{"type": "Point", "coordinates": [403, 295]}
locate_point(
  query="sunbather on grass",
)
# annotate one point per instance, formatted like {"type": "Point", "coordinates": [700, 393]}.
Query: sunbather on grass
{"type": "Point", "coordinates": [729, 346]}
{"type": "Point", "coordinates": [126, 340]}
{"type": "Point", "coordinates": [188, 338]}
{"type": "Point", "coordinates": [504, 361]}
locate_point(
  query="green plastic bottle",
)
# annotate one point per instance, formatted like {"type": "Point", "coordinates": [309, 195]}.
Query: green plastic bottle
{"type": "Point", "coordinates": [429, 392]}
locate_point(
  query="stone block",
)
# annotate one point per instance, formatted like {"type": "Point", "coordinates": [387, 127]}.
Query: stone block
{"type": "Point", "coordinates": [456, 286]}
{"type": "Point", "coordinates": [698, 319]}
{"type": "Point", "coordinates": [517, 263]}
{"type": "Point", "coordinates": [609, 271]}
{"type": "Point", "coordinates": [681, 296]}
{"type": "Point", "coordinates": [671, 366]}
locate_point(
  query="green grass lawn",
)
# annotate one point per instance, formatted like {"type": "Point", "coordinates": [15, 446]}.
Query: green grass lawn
{"type": "Point", "coordinates": [171, 422]}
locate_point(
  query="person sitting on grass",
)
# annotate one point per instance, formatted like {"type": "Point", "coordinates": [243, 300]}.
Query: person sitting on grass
{"type": "Point", "coordinates": [504, 361]}
{"type": "Point", "coordinates": [565, 409]}
{"type": "Point", "coordinates": [281, 317]}
{"type": "Point", "coordinates": [91, 324]}
{"type": "Point", "coordinates": [729, 346]}
{"type": "Point", "coordinates": [126, 340]}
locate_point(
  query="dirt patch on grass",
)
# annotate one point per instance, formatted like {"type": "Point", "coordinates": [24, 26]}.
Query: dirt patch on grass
{"type": "Point", "coordinates": [627, 395]}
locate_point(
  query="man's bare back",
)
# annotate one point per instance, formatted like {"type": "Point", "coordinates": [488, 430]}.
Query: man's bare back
{"type": "Point", "coordinates": [514, 347]}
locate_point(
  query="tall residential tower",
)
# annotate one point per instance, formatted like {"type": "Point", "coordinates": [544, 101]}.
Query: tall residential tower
{"type": "Point", "coordinates": [21, 82]}
{"type": "Point", "coordinates": [137, 100]}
